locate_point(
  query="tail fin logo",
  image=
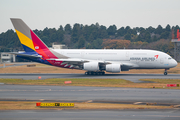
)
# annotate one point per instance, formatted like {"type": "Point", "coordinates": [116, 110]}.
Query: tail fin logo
{"type": "Point", "coordinates": [156, 56]}
{"type": "Point", "coordinates": [36, 47]}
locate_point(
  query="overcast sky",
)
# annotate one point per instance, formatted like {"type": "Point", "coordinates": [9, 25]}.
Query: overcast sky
{"type": "Point", "coordinates": [39, 14]}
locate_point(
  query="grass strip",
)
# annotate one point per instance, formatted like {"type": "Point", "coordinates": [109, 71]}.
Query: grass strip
{"type": "Point", "coordinates": [162, 83]}
{"type": "Point", "coordinates": [158, 83]}
{"type": "Point", "coordinates": [75, 82]}
{"type": "Point", "coordinates": [23, 105]}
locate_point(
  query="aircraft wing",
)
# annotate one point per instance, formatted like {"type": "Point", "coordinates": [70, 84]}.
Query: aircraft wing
{"type": "Point", "coordinates": [72, 61]}
{"type": "Point", "coordinates": [77, 62]}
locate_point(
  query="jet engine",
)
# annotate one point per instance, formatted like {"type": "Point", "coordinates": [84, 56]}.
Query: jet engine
{"type": "Point", "coordinates": [91, 66]}
{"type": "Point", "coordinates": [114, 68]}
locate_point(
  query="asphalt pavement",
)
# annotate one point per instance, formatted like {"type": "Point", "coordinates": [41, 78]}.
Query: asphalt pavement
{"type": "Point", "coordinates": [94, 94]}
{"type": "Point", "coordinates": [77, 93]}
{"type": "Point", "coordinates": [90, 115]}
{"type": "Point", "coordinates": [130, 77]}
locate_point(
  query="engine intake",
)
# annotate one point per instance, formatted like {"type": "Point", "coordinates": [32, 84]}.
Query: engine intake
{"type": "Point", "coordinates": [91, 66]}
{"type": "Point", "coordinates": [114, 68]}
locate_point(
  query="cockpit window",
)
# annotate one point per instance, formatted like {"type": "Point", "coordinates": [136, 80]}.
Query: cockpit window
{"type": "Point", "coordinates": [169, 58]}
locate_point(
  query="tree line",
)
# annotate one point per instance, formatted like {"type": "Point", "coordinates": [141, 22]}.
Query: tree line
{"type": "Point", "coordinates": [97, 36]}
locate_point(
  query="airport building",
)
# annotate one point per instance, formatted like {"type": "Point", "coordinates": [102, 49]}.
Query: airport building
{"type": "Point", "coordinates": [7, 58]}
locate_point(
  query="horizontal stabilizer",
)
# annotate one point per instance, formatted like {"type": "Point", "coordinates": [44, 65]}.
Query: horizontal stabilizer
{"type": "Point", "coordinates": [26, 55]}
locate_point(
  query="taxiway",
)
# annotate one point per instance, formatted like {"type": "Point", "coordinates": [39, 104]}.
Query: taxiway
{"type": "Point", "coordinates": [91, 115]}
{"type": "Point", "coordinates": [94, 94]}
{"type": "Point", "coordinates": [131, 77]}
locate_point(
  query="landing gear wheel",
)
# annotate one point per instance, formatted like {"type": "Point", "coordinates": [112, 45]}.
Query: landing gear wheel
{"type": "Point", "coordinates": [94, 73]}
{"type": "Point", "coordinates": [165, 73]}
{"type": "Point", "coordinates": [86, 73]}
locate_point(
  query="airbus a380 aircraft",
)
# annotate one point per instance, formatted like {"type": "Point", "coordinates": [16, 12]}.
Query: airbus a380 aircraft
{"type": "Point", "coordinates": [91, 60]}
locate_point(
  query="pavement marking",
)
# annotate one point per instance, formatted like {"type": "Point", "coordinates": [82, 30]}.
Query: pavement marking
{"type": "Point", "coordinates": [136, 103]}
{"type": "Point", "coordinates": [72, 90]}
{"type": "Point", "coordinates": [41, 99]}
{"type": "Point", "coordinates": [89, 101]}
{"type": "Point", "coordinates": [176, 105]}
{"type": "Point", "coordinates": [159, 115]}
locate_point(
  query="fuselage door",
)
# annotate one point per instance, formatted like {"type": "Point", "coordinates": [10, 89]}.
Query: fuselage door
{"type": "Point", "coordinates": [82, 54]}
{"type": "Point", "coordinates": [161, 60]}
{"type": "Point", "coordinates": [127, 55]}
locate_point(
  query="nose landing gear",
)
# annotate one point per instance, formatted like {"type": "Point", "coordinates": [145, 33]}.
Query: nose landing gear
{"type": "Point", "coordinates": [165, 72]}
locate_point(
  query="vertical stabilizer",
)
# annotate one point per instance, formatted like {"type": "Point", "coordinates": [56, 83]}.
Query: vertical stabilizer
{"type": "Point", "coordinates": [23, 32]}
{"type": "Point", "coordinates": [30, 41]}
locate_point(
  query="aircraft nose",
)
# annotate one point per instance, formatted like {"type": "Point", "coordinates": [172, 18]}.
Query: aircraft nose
{"type": "Point", "coordinates": [174, 63]}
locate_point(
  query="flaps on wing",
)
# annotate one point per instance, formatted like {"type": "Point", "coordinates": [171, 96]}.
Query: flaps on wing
{"type": "Point", "coordinates": [72, 61]}
{"type": "Point", "coordinates": [80, 61]}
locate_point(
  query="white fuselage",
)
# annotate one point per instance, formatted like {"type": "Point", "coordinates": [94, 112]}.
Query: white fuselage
{"type": "Point", "coordinates": [137, 59]}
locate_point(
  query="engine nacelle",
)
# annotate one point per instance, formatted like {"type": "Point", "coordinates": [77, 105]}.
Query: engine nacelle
{"type": "Point", "coordinates": [91, 66]}
{"type": "Point", "coordinates": [114, 68]}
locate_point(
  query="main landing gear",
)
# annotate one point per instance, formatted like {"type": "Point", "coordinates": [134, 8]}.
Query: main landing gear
{"type": "Point", "coordinates": [165, 72]}
{"type": "Point", "coordinates": [94, 73]}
